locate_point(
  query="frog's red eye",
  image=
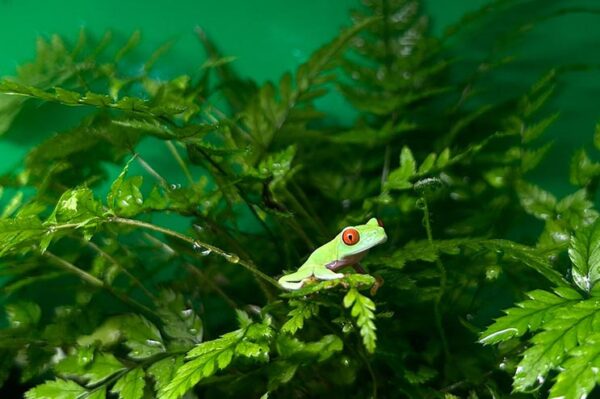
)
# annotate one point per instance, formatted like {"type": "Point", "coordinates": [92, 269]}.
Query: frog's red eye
{"type": "Point", "coordinates": [350, 236]}
{"type": "Point", "coordinates": [380, 222]}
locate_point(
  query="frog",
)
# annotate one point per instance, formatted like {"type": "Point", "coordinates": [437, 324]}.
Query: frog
{"type": "Point", "coordinates": [348, 248]}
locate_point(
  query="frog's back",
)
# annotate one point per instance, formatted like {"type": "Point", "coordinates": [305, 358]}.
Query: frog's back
{"type": "Point", "coordinates": [323, 255]}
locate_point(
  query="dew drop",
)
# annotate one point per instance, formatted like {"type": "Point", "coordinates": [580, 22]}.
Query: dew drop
{"type": "Point", "coordinates": [198, 228]}
{"type": "Point", "coordinates": [541, 379]}
{"type": "Point", "coordinates": [233, 258]}
{"type": "Point", "coordinates": [154, 343]}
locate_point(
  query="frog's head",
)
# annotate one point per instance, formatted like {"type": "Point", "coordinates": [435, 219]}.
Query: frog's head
{"type": "Point", "coordinates": [356, 239]}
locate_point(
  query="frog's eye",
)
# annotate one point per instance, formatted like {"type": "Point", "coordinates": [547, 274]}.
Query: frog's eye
{"type": "Point", "coordinates": [380, 222]}
{"type": "Point", "coordinates": [350, 236]}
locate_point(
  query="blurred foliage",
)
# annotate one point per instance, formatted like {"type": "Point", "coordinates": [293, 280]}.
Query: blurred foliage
{"type": "Point", "coordinates": [130, 285]}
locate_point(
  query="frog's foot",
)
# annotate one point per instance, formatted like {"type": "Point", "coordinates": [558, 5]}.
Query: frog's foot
{"type": "Point", "coordinates": [326, 274]}
{"type": "Point", "coordinates": [291, 285]}
{"type": "Point", "coordinates": [295, 281]}
{"type": "Point", "coordinates": [378, 283]}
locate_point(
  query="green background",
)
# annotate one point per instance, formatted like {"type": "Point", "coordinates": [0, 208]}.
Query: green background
{"type": "Point", "coordinates": [272, 36]}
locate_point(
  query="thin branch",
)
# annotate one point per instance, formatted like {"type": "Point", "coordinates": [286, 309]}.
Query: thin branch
{"type": "Point", "coordinates": [96, 282]}
{"type": "Point", "coordinates": [112, 260]}
{"type": "Point", "coordinates": [179, 161]}
{"type": "Point", "coordinates": [229, 257]}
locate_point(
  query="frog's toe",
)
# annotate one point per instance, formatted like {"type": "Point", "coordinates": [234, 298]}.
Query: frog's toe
{"type": "Point", "coordinates": [291, 285]}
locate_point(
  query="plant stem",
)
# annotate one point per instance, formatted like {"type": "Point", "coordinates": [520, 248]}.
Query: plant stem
{"type": "Point", "coordinates": [96, 282]}
{"type": "Point", "coordinates": [308, 205]}
{"type": "Point", "coordinates": [180, 161]}
{"type": "Point", "coordinates": [112, 260]}
{"type": "Point", "coordinates": [213, 285]}
{"type": "Point", "coordinates": [151, 170]}
{"type": "Point", "coordinates": [443, 280]}
{"type": "Point", "coordinates": [232, 258]}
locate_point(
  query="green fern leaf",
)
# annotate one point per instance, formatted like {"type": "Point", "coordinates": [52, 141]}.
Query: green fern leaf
{"type": "Point", "coordinates": [363, 310]}
{"type": "Point", "coordinates": [584, 252]}
{"type": "Point", "coordinates": [57, 389]}
{"type": "Point", "coordinates": [302, 311]}
{"type": "Point", "coordinates": [204, 360]}
{"type": "Point", "coordinates": [130, 385]}
{"type": "Point", "coordinates": [580, 372]}
{"type": "Point", "coordinates": [164, 370]}
{"type": "Point", "coordinates": [562, 333]}
{"type": "Point", "coordinates": [529, 315]}
{"type": "Point", "coordinates": [536, 201]}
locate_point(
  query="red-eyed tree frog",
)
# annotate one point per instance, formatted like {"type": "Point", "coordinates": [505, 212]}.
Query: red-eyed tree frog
{"type": "Point", "coordinates": [346, 249]}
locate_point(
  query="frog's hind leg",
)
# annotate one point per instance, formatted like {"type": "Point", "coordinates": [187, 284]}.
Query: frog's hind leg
{"type": "Point", "coordinates": [323, 273]}
{"type": "Point", "coordinates": [295, 280]}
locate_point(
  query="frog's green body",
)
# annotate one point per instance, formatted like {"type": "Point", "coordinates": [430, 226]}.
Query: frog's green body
{"type": "Point", "coordinates": [346, 249]}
